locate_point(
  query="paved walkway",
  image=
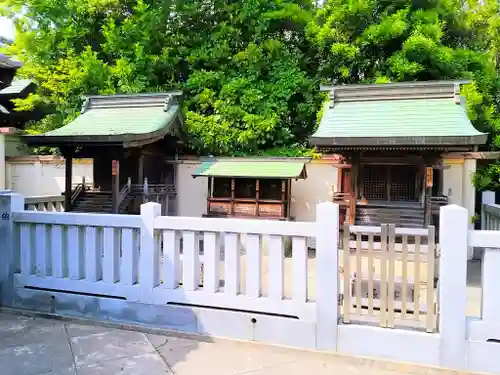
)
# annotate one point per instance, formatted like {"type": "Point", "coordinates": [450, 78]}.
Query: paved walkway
{"type": "Point", "coordinates": [36, 346]}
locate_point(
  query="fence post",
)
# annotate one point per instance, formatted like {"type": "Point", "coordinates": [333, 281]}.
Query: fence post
{"type": "Point", "coordinates": [327, 239]}
{"type": "Point", "coordinates": [490, 266]}
{"type": "Point", "coordinates": [9, 203]}
{"type": "Point", "coordinates": [488, 197]}
{"type": "Point", "coordinates": [453, 232]}
{"type": "Point", "coordinates": [149, 261]}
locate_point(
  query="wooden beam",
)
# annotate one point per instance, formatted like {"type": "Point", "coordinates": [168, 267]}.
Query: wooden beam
{"type": "Point", "coordinates": [115, 182]}
{"type": "Point", "coordinates": [479, 155]}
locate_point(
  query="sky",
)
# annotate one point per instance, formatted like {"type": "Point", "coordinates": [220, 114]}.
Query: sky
{"type": "Point", "coordinates": [6, 28]}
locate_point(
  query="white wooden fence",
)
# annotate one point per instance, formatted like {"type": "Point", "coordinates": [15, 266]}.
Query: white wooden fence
{"type": "Point", "coordinates": [151, 264]}
{"type": "Point", "coordinates": [389, 282]}
{"type": "Point", "coordinates": [120, 255]}
{"type": "Point", "coordinates": [45, 203]}
{"type": "Point", "coordinates": [490, 212]}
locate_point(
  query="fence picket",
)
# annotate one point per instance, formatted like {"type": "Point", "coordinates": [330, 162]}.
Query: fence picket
{"type": "Point", "coordinates": [111, 261]}
{"type": "Point", "coordinates": [359, 274]}
{"type": "Point", "coordinates": [404, 276]}
{"type": "Point", "coordinates": [27, 256]}
{"type": "Point", "coordinates": [58, 257]}
{"type": "Point", "coordinates": [128, 271]}
{"type": "Point", "coordinates": [276, 267]}
{"type": "Point", "coordinates": [211, 264]}
{"type": "Point", "coordinates": [254, 266]}
{"type": "Point", "coordinates": [347, 275]}
{"type": "Point", "coordinates": [299, 269]}
{"type": "Point", "coordinates": [431, 258]}
{"type": "Point", "coordinates": [191, 261]}
{"type": "Point", "coordinates": [231, 264]}
{"type": "Point", "coordinates": [371, 270]}
{"type": "Point", "coordinates": [391, 275]}
{"type": "Point", "coordinates": [75, 252]}
{"type": "Point", "coordinates": [383, 275]}
{"type": "Point", "coordinates": [416, 286]}
{"type": "Point", "coordinates": [92, 255]}
{"type": "Point", "coordinates": [41, 246]}
{"type": "Point", "coordinates": [171, 259]}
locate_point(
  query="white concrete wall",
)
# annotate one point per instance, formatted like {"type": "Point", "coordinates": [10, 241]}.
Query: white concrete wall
{"type": "Point", "coordinates": [306, 194]}
{"type": "Point", "coordinates": [458, 177]}
{"type": "Point", "coordinates": [452, 179]}
{"type": "Point", "coordinates": [43, 175]}
{"type": "Point", "coordinates": [191, 192]}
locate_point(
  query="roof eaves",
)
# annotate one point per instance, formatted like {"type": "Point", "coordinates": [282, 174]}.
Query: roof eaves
{"type": "Point", "coordinates": [478, 139]}
{"type": "Point", "coordinates": [127, 140]}
{"type": "Point", "coordinates": [204, 171]}
{"type": "Point", "coordinates": [8, 63]}
{"type": "Point", "coordinates": [17, 87]}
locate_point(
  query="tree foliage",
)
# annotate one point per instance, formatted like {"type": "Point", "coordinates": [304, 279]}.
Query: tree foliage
{"type": "Point", "coordinates": [250, 70]}
{"type": "Point", "coordinates": [243, 66]}
{"type": "Point", "coordinates": [406, 40]}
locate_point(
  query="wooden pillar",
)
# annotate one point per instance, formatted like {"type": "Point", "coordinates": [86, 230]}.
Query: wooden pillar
{"type": "Point", "coordinates": [232, 196]}
{"type": "Point", "coordinates": [355, 177]}
{"type": "Point", "coordinates": [115, 183]}
{"type": "Point", "coordinates": [140, 168]}
{"type": "Point", "coordinates": [441, 181]}
{"type": "Point", "coordinates": [428, 182]}
{"type": "Point", "coordinates": [210, 192]}
{"type": "Point", "coordinates": [68, 164]}
{"type": "Point", "coordinates": [257, 197]}
{"type": "Point", "coordinates": [283, 190]}
{"type": "Point", "coordinates": [346, 186]}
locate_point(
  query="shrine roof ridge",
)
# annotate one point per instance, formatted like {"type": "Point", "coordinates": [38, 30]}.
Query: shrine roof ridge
{"type": "Point", "coordinates": [130, 100]}
{"type": "Point", "coordinates": [394, 91]}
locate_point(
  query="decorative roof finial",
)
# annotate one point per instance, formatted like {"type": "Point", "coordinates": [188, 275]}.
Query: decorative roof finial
{"type": "Point", "coordinates": [456, 93]}
{"type": "Point", "coordinates": [85, 106]}
{"type": "Point", "coordinates": [332, 98]}
{"type": "Point", "coordinates": [168, 103]}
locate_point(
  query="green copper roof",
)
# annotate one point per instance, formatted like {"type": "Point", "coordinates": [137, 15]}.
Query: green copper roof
{"type": "Point", "coordinates": [16, 87]}
{"type": "Point", "coordinates": [255, 169]}
{"type": "Point", "coordinates": [396, 122]}
{"type": "Point", "coordinates": [117, 121]}
{"type": "Point", "coordinates": [117, 118]}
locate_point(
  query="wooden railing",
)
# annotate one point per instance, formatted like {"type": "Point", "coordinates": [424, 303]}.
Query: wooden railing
{"type": "Point", "coordinates": [124, 192]}
{"type": "Point", "coordinates": [347, 205]}
{"type": "Point", "coordinates": [77, 191]}
{"type": "Point", "coordinates": [387, 282]}
{"type": "Point", "coordinates": [51, 203]}
{"type": "Point", "coordinates": [146, 189]}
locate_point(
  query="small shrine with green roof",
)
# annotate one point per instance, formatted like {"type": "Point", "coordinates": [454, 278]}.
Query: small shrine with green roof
{"type": "Point", "coordinates": [131, 139]}
{"type": "Point", "coordinates": [392, 138]}
{"type": "Point", "coordinates": [255, 188]}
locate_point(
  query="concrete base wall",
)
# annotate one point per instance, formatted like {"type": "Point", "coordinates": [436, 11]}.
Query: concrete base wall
{"type": "Point", "coordinates": [417, 348]}
{"type": "Point", "coordinates": [204, 321]}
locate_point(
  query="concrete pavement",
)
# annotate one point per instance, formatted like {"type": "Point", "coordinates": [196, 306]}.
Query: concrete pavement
{"type": "Point", "coordinates": [37, 346]}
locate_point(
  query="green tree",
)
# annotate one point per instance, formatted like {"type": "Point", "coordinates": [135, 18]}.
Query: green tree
{"type": "Point", "coordinates": [367, 41]}
{"type": "Point", "coordinates": [244, 67]}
